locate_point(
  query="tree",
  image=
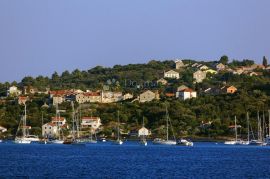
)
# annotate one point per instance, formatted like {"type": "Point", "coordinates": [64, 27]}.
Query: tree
{"type": "Point", "coordinates": [224, 60]}
{"type": "Point", "coordinates": [264, 61]}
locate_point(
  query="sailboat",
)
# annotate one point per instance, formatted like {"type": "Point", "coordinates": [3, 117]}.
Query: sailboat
{"type": "Point", "coordinates": [166, 141]}
{"type": "Point", "coordinates": [260, 141]}
{"type": "Point", "coordinates": [236, 141]}
{"type": "Point", "coordinates": [143, 140]}
{"type": "Point", "coordinates": [118, 141]}
{"type": "Point", "coordinates": [59, 140]}
{"type": "Point", "coordinates": [25, 138]}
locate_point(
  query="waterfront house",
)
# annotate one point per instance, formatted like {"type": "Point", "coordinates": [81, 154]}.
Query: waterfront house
{"type": "Point", "coordinates": [199, 76]}
{"type": "Point", "coordinates": [50, 130]}
{"type": "Point", "coordinates": [59, 121]}
{"type": "Point", "coordinates": [143, 132]}
{"type": "Point", "coordinates": [148, 96]}
{"type": "Point", "coordinates": [187, 94]}
{"type": "Point", "coordinates": [179, 64]}
{"type": "Point", "coordinates": [171, 74]}
{"type": "Point", "coordinates": [3, 129]}
{"type": "Point", "coordinates": [162, 81]}
{"type": "Point", "coordinates": [91, 122]}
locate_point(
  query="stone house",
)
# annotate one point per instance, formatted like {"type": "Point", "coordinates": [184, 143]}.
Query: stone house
{"type": "Point", "coordinates": [199, 76]}
{"type": "Point", "coordinates": [171, 74]}
{"type": "Point", "coordinates": [148, 96]}
{"type": "Point", "coordinates": [187, 94]}
{"type": "Point", "coordinates": [162, 81]}
{"type": "Point", "coordinates": [179, 64]}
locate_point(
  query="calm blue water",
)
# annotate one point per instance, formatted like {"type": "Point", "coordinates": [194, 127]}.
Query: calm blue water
{"type": "Point", "coordinates": [204, 160]}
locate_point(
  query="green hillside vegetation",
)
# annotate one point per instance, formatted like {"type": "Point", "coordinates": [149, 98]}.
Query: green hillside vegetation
{"type": "Point", "coordinates": [253, 95]}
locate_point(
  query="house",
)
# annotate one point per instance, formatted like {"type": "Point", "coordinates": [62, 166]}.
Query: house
{"type": "Point", "coordinates": [3, 129]}
{"type": "Point", "coordinates": [229, 90]}
{"type": "Point", "coordinates": [143, 132]}
{"type": "Point", "coordinates": [211, 71]}
{"type": "Point", "coordinates": [13, 91]}
{"type": "Point", "coordinates": [203, 67]}
{"type": "Point", "coordinates": [162, 81]}
{"type": "Point", "coordinates": [220, 67]}
{"type": "Point", "coordinates": [238, 71]}
{"type": "Point", "coordinates": [111, 97]}
{"type": "Point", "coordinates": [29, 90]}
{"type": "Point", "coordinates": [179, 64]}
{"type": "Point", "coordinates": [148, 96]}
{"type": "Point", "coordinates": [89, 97]}
{"type": "Point", "coordinates": [171, 74]}
{"type": "Point", "coordinates": [50, 130]}
{"type": "Point", "coordinates": [53, 128]}
{"type": "Point", "coordinates": [59, 121]}
{"type": "Point", "coordinates": [187, 94]}
{"type": "Point", "coordinates": [91, 122]}
{"type": "Point", "coordinates": [127, 96]}
{"type": "Point", "coordinates": [22, 100]}
{"type": "Point", "coordinates": [199, 76]}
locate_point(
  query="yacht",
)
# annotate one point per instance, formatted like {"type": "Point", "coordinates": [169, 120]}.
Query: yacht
{"type": "Point", "coordinates": [236, 141]}
{"type": "Point", "coordinates": [143, 139]}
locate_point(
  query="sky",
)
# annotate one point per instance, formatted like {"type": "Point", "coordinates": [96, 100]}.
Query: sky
{"type": "Point", "coordinates": [40, 37]}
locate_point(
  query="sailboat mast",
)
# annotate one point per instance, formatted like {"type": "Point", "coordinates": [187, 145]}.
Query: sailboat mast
{"type": "Point", "coordinates": [118, 134]}
{"type": "Point", "coordinates": [248, 126]}
{"type": "Point", "coordinates": [263, 126]}
{"type": "Point", "coordinates": [258, 118]}
{"type": "Point", "coordinates": [24, 121]}
{"type": "Point", "coordinates": [235, 128]}
{"type": "Point", "coordinates": [73, 116]}
{"type": "Point", "coordinates": [167, 123]}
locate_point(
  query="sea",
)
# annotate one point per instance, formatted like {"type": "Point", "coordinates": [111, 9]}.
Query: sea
{"type": "Point", "coordinates": [132, 160]}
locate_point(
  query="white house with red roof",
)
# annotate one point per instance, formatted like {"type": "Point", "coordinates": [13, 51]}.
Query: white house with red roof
{"type": "Point", "coordinates": [187, 94]}
{"type": "Point", "coordinates": [91, 122]}
{"type": "Point", "coordinates": [52, 128]}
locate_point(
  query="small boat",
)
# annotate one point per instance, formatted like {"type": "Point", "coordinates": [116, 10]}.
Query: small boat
{"type": "Point", "coordinates": [57, 141]}
{"type": "Point", "coordinates": [164, 142]}
{"type": "Point", "coordinates": [1, 141]}
{"type": "Point", "coordinates": [118, 142]}
{"type": "Point", "coordinates": [257, 143]}
{"type": "Point", "coordinates": [185, 142]}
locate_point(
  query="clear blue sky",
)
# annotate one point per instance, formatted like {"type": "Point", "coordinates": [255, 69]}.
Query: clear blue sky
{"type": "Point", "coordinates": [40, 37]}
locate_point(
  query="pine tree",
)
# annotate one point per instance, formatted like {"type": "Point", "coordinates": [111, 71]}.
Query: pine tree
{"type": "Point", "coordinates": [265, 61]}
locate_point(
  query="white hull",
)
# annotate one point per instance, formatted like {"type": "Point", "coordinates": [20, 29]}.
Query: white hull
{"type": "Point", "coordinates": [164, 142]}
{"type": "Point", "coordinates": [22, 141]}
{"type": "Point", "coordinates": [185, 143]}
{"type": "Point", "coordinates": [57, 141]}
{"type": "Point", "coordinates": [257, 143]}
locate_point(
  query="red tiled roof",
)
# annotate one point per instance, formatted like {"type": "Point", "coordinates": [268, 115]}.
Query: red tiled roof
{"type": "Point", "coordinates": [51, 124]}
{"type": "Point", "coordinates": [169, 94]}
